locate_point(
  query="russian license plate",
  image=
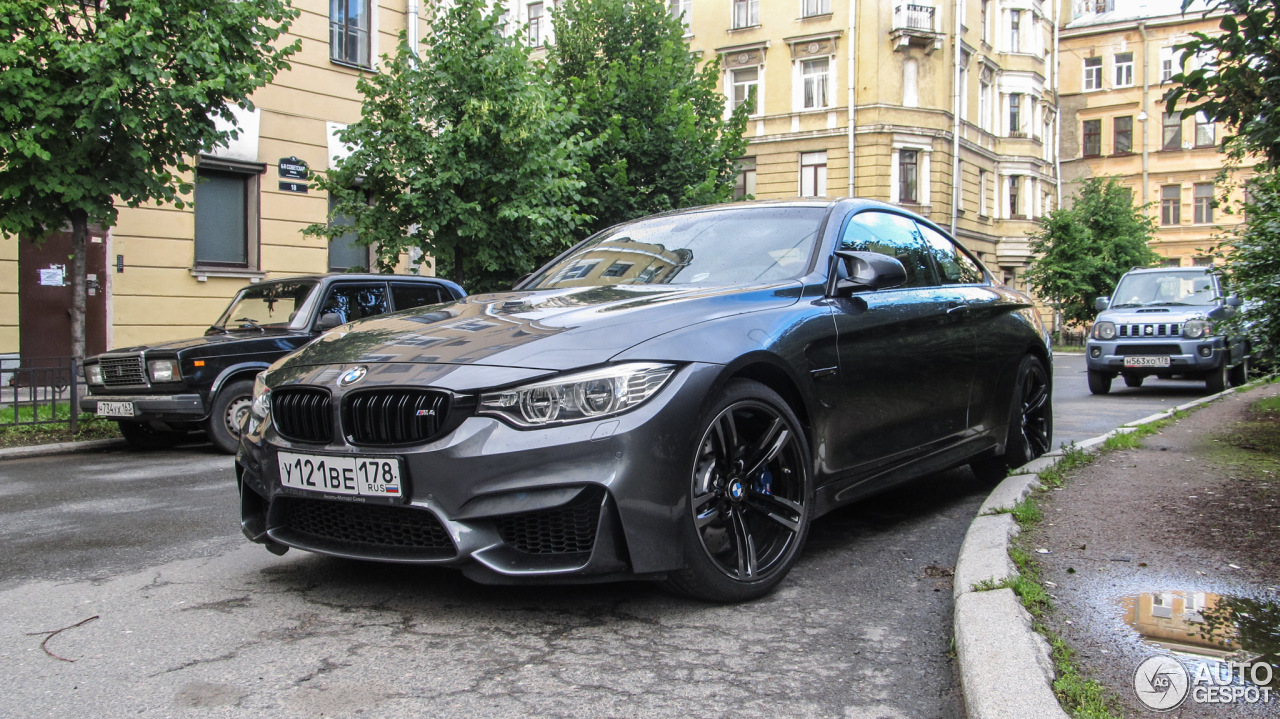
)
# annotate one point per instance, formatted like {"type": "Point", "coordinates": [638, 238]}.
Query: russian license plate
{"type": "Point", "coordinates": [364, 476]}
{"type": "Point", "coordinates": [1146, 361]}
{"type": "Point", "coordinates": [115, 409]}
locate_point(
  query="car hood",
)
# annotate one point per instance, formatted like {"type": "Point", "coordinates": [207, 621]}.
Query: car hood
{"type": "Point", "coordinates": [246, 341]}
{"type": "Point", "coordinates": [541, 330]}
{"type": "Point", "coordinates": [1156, 315]}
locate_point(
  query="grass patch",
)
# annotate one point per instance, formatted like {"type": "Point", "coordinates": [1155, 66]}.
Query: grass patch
{"type": "Point", "coordinates": [25, 435]}
{"type": "Point", "coordinates": [1072, 458]}
{"type": "Point", "coordinates": [1086, 698]}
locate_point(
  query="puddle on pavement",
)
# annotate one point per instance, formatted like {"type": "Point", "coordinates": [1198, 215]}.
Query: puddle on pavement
{"type": "Point", "coordinates": [1210, 632]}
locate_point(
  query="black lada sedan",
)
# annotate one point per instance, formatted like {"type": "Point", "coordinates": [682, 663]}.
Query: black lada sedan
{"type": "Point", "coordinates": [675, 398]}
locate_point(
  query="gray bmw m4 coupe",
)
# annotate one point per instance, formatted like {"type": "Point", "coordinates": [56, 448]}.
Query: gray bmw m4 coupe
{"type": "Point", "coordinates": [675, 398]}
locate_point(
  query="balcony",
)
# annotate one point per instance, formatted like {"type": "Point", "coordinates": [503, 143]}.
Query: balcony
{"type": "Point", "coordinates": [916, 25]}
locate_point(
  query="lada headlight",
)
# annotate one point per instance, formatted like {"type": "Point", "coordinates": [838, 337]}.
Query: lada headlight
{"type": "Point", "coordinates": [577, 397]}
{"type": "Point", "coordinates": [93, 373]}
{"type": "Point", "coordinates": [164, 370]}
{"type": "Point", "coordinates": [1195, 329]}
{"type": "Point", "coordinates": [1104, 330]}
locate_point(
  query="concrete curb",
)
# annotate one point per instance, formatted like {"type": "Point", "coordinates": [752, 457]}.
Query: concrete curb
{"type": "Point", "coordinates": [45, 450]}
{"type": "Point", "coordinates": [1006, 670]}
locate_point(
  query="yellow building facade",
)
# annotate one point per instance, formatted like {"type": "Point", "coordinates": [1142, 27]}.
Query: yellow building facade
{"type": "Point", "coordinates": [169, 272]}
{"type": "Point", "coordinates": [946, 108]}
{"type": "Point", "coordinates": [1118, 59]}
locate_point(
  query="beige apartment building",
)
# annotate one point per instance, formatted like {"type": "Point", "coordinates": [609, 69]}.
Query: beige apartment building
{"type": "Point", "coordinates": [1117, 63]}
{"type": "Point", "coordinates": [163, 273]}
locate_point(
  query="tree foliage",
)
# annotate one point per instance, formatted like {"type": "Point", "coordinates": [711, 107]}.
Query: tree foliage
{"type": "Point", "coordinates": [466, 153]}
{"type": "Point", "coordinates": [1252, 252]}
{"type": "Point", "coordinates": [111, 101]}
{"type": "Point", "coordinates": [1236, 82]}
{"type": "Point", "coordinates": [663, 141]}
{"type": "Point", "coordinates": [1082, 251]}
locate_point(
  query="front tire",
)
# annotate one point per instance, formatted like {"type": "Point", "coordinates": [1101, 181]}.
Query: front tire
{"type": "Point", "coordinates": [1240, 373]}
{"type": "Point", "coordinates": [1216, 380]}
{"type": "Point", "coordinates": [1099, 382]}
{"type": "Point", "coordinates": [227, 415]}
{"type": "Point", "coordinates": [750, 497]}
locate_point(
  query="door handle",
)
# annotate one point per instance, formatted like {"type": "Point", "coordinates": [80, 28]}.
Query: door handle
{"type": "Point", "coordinates": [957, 308]}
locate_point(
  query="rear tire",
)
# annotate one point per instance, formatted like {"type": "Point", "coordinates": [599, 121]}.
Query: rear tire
{"type": "Point", "coordinates": [141, 435]}
{"type": "Point", "coordinates": [1133, 380]}
{"type": "Point", "coordinates": [1216, 380]}
{"type": "Point", "coordinates": [1240, 373]}
{"type": "Point", "coordinates": [1099, 382]}
{"type": "Point", "coordinates": [226, 417]}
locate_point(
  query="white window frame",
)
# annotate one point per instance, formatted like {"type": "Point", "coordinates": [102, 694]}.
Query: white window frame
{"type": "Point", "coordinates": [731, 86]}
{"type": "Point", "coordinates": [1168, 66]}
{"type": "Point", "coordinates": [815, 8]}
{"type": "Point", "coordinates": [813, 174]}
{"type": "Point", "coordinates": [682, 10]}
{"type": "Point", "coordinates": [536, 36]}
{"type": "Point", "coordinates": [984, 197]}
{"type": "Point", "coordinates": [1015, 30]}
{"type": "Point", "coordinates": [800, 82]}
{"type": "Point", "coordinates": [1124, 70]}
{"type": "Point", "coordinates": [924, 152]}
{"type": "Point", "coordinates": [1091, 77]}
{"type": "Point", "coordinates": [743, 14]}
{"type": "Point", "coordinates": [986, 88]}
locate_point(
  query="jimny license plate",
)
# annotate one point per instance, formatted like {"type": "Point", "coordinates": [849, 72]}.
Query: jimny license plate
{"type": "Point", "coordinates": [1146, 361]}
{"type": "Point", "coordinates": [115, 409]}
{"type": "Point", "coordinates": [363, 476]}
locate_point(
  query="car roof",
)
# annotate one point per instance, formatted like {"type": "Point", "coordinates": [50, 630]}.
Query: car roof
{"type": "Point", "coordinates": [1150, 270]}
{"type": "Point", "coordinates": [355, 276]}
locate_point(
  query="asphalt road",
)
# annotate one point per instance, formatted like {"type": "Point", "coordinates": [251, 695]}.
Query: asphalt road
{"type": "Point", "coordinates": [193, 621]}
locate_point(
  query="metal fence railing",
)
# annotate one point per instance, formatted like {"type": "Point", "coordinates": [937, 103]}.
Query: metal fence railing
{"type": "Point", "coordinates": [42, 391]}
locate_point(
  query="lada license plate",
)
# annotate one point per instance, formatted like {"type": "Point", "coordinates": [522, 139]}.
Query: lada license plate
{"type": "Point", "coordinates": [115, 409]}
{"type": "Point", "coordinates": [1146, 361]}
{"type": "Point", "coordinates": [332, 474]}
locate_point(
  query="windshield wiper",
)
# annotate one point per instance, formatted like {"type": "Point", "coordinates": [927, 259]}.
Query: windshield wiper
{"type": "Point", "coordinates": [253, 323]}
{"type": "Point", "coordinates": [216, 328]}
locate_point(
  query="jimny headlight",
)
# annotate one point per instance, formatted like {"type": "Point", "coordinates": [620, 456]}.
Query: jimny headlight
{"type": "Point", "coordinates": [1104, 330]}
{"type": "Point", "coordinates": [1195, 329]}
{"type": "Point", "coordinates": [577, 397]}
{"type": "Point", "coordinates": [165, 370]}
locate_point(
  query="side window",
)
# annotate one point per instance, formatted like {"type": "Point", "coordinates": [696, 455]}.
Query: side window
{"type": "Point", "coordinates": [954, 266]}
{"type": "Point", "coordinates": [407, 295]}
{"type": "Point", "coordinates": [892, 235]}
{"type": "Point", "coordinates": [351, 302]}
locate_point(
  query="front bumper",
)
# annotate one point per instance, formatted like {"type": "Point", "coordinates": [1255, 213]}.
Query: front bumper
{"type": "Point", "coordinates": [595, 500]}
{"type": "Point", "coordinates": [1185, 355]}
{"type": "Point", "coordinates": [153, 408]}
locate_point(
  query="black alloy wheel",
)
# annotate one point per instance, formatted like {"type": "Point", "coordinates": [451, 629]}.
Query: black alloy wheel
{"type": "Point", "coordinates": [1031, 434]}
{"type": "Point", "coordinates": [749, 498]}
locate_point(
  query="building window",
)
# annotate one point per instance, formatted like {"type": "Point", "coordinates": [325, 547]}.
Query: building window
{"type": "Point", "coordinates": [1123, 131]}
{"type": "Point", "coordinates": [1171, 205]}
{"type": "Point", "coordinates": [746, 88]}
{"type": "Point", "coordinates": [815, 76]}
{"type": "Point", "coordinates": [986, 12]}
{"type": "Point", "coordinates": [1015, 31]}
{"type": "Point", "coordinates": [344, 252]}
{"type": "Point", "coordinates": [813, 174]}
{"type": "Point", "coordinates": [1167, 68]}
{"type": "Point", "coordinates": [537, 31]}
{"type": "Point", "coordinates": [965, 55]}
{"type": "Point", "coordinates": [744, 185]}
{"type": "Point", "coordinates": [1015, 114]}
{"type": "Point", "coordinates": [1093, 73]}
{"type": "Point", "coordinates": [682, 10]}
{"type": "Point", "coordinates": [817, 7]}
{"type": "Point", "coordinates": [1092, 138]}
{"type": "Point", "coordinates": [983, 202]}
{"type": "Point", "coordinates": [349, 32]}
{"type": "Point", "coordinates": [1124, 69]}
{"type": "Point", "coordinates": [1015, 189]}
{"type": "Point", "coordinates": [1203, 192]}
{"type": "Point", "coordinates": [1172, 123]}
{"type": "Point", "coordinates": [909, 176]}
{"type": "Point", "coordinates": [1205, 131]}
{"type": "Point", "coordinates": [226, 209]}
{"type": "Point", "coordinates": [984, 99]}
{"type": "Point", "coordinates": [746, 13]}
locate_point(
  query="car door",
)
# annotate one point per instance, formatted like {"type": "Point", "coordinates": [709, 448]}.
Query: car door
{"type": "Point", "coordinates": [902, 389]}
{"type": "Point", "coordinates": [407, 295]}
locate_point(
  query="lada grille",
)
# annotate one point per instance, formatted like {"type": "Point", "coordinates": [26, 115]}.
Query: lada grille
{"type": "Point", "coordinates": [121, 371]}
{"type": "Point", "coordinates": [302, 414]}
{"type": "Point", "coordinates": [570, 529]}
{"type": "Point", "coordinates": [368, 525]}
{"type": "Point", "coordinates": [394, 416]}
{"type": "Point", "coordinates": [1168, 329]}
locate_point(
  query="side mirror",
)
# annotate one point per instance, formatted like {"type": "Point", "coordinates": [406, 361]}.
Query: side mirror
{"type": "Point", "coordinates": [859, 271]}
{"type": "Point", "coordinates": [1234, 301]}
{"type": "Point", "coordinates": [328, 321]}
{"type": "Point", "coordinates": [1102, 303]}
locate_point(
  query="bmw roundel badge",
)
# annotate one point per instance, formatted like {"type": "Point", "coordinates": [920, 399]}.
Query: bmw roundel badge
{"type": "Point", "coordinates": [353, 375]}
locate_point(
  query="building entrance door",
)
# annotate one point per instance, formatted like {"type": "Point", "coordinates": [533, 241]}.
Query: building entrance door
{"type": "Point", "coordinates": [44, 298]}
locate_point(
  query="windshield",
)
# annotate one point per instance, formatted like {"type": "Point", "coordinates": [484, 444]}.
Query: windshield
{"type": "Point", "coordinates": [1165, 288]}
{"type": "Point", "coordinates": [271, 304]}
{"type": "Point", "coordinates": [717, 247]}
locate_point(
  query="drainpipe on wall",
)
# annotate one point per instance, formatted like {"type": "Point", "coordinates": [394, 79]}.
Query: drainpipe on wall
{"type": "Point", "coordinates": [1145, 118]}
{"type": "Point", "coordinates": [1057, 98]}
{"type": "Point", "coordinates": [956, 99]}
{"type": "Point", "coordinates": [852, 44]}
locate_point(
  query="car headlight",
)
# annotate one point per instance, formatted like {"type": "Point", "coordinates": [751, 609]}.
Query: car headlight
{"type": "Point", "coordinates": [573, 398]}
{"type": "Point", "coordinates": [261, 397]}
{"type": "Point", "coordinates": [93, 373]}
{"type": "Point", "coordinates": [1104, 330]}
{"type": "Point", "coordinates": [1195, 329]}
{"type": "Point", "coordinates": [165, 370]}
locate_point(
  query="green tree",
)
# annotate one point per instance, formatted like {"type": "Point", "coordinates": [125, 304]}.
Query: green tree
{"type": "Point", "coordinates": [1082, 251]}
{"type": "Point", "coordinates": [663, 140]}
{"type": "Point", "coordinates": [105, 102]}
{"type": "Point", "coordinates": [1251, 253]}
{"type": "Point", "coordinates": [465, 153]}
